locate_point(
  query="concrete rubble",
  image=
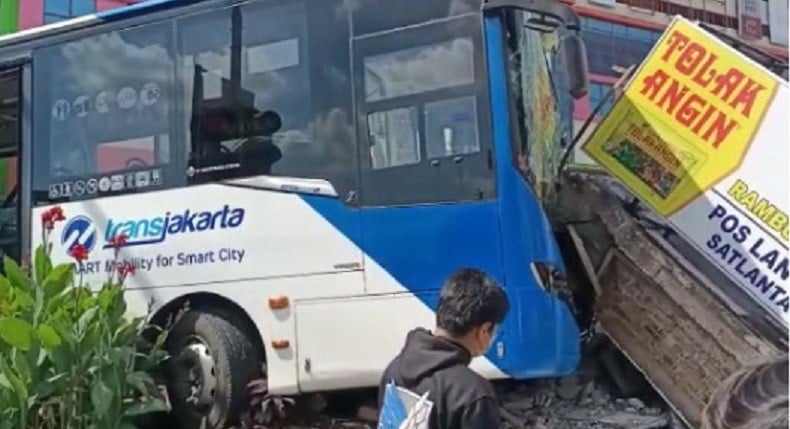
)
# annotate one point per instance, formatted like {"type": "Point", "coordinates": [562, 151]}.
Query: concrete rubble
{"type": "Point", "coordinates": [587, 399]}
{"type": "Point", "coordinates": [566, 403]}
{"type": "Point", "coordinates": [572, 403]}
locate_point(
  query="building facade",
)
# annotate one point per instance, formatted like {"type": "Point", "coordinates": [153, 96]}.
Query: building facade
{"type": "Point", "coordinates": [617, 32]}
{"type": "Point", "coordinates": [620, 33]}
{"type": "Point", "coordinates": [18, 15]}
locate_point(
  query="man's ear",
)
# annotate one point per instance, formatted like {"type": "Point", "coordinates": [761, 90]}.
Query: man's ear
{"type": "Point", "coordinates": [487, 328]}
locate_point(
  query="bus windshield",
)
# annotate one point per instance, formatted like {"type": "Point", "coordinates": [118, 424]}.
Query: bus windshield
{"type": "Point", "coordinates": [544, 107]}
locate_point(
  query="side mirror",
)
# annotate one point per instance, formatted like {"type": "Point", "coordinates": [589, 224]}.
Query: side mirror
{"type": "Point", "coordinates": [572, 47]}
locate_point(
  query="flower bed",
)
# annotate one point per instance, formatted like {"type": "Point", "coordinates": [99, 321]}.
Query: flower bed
{"type": "Point", "coordinates": [69, 358]}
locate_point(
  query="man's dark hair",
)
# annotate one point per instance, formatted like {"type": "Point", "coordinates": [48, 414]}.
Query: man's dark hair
{"type": "Point", "coordinates": [470, 298]}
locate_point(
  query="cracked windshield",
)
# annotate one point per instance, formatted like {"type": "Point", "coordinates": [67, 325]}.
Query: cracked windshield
{"type": "Point", "coordinates": [543, 101]}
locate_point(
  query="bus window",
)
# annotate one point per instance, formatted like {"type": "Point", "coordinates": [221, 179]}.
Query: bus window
{"type": "Point", "coordinates": [102, 113]}
{"type": "Point", "coordinates": [268, 92]}
{"type": "Point", "coordinates": [9, 151]}
{"type": "Point", "coordinates": [426, 135]}
{"type": "Point", "coordinates": [374, 16]}
{"type": "Point", "coordinates": [394, 138]}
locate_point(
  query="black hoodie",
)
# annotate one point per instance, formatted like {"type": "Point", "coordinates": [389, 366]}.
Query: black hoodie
{"type": "Point", "coordinates": [462, 398]}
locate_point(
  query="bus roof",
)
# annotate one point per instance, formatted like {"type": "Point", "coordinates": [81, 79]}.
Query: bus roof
{"type": "Point", "coordinates": [113, 15]}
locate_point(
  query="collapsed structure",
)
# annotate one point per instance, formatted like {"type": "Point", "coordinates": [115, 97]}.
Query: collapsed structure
{"type": "Point", "coordinates": [683, 239]}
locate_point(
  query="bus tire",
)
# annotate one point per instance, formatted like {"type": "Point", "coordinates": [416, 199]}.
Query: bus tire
{"type": "Point", "coordinates": [212, 361]}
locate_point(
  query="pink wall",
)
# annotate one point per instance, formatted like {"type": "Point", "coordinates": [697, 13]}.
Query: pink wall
{"type": "Point", "coordinates": [114, 158]}
{"type": "Point", "coordinates": [582, 107]}
{"type": "Point", "coordinates": [112, 4]}
{"type": "Point", "coordinates": [31, 13]}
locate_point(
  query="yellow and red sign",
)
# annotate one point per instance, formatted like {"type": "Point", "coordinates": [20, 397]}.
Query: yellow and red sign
{"type": "Point", "coordinates": [701, 135]}
{"type": "Point", "coordinates": [686, 119]}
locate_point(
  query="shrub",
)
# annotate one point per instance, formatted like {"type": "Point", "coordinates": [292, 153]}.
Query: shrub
{"type": "Point", "coordinates": [69, 358]}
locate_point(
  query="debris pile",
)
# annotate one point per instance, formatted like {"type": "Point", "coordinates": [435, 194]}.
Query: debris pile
{"type": "Point", "coordinates": [566, 403]}
{"type": "Point", "coordinates": [607, 392]}
{"type": "Point", "coordinates": [571, 402]}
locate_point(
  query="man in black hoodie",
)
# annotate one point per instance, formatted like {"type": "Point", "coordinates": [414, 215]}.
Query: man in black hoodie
{"type": "Point", "coordinates": [471, 306]}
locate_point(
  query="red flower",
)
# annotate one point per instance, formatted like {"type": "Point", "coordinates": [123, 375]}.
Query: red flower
{"type": "Point", "coordinates": [118, 241]}
{"type": "Point", "coordinates": [79, 252]}
{"type": "Point", "coordinates": [52, 216]}
{"type": "Point", "coordinates": [126, 269]}
{"type": "Point", "coordinates": [47, 222]}
{"type": "Point", "coordinates": [57, 214]}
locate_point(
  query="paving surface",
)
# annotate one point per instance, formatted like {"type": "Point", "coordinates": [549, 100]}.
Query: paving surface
{"type": "Point", "coordinates": [588, 399]}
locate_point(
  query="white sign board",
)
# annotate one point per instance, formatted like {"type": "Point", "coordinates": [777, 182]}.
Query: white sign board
{"type": "Point", "coordinates": [700, 135]}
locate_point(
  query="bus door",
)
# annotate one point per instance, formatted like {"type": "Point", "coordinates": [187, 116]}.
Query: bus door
{"type": "Point", "coordinates": [427, 173]}
{"type": "Point", "coordinates": [10, 139]}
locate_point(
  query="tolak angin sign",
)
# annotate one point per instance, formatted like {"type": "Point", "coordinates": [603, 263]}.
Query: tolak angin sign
{"type": "Point", "coordinates": [701, 135]}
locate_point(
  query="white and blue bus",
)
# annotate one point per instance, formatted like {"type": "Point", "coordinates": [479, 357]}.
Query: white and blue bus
{"type": "Point", "coordinates": [305, 173]}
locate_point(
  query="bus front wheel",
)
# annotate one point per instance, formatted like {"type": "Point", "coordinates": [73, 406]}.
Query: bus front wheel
{"type": "Point", "coordinates": [212, 361]}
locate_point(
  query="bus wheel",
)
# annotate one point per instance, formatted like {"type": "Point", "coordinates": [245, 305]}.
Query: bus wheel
{"type": "Point", "coordinates": [212, 361]}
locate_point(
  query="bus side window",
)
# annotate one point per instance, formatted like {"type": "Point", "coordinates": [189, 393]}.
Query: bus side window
{"type": "Point", "coordinates": [268, 92]}
{"type": "Point", "coordinates": [103, 122]}
{"type": "Point", "coordinates": [421, 93]}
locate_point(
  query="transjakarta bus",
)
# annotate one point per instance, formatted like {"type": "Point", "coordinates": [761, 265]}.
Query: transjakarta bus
{"type": "Point", "coordinates": [305, 173]}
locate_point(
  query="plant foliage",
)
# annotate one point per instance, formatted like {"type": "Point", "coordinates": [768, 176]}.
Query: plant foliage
{"type": "Point", "coordinates": [69, 358]}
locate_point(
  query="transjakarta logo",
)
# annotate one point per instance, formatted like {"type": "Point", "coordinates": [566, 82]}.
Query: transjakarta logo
{"type": "Point", "coordinates": [154, 230]}
{"type": "Point", "coordinates": [79, 230]}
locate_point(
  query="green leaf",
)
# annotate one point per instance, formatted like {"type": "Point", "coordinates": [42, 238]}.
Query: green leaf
{"type": "Point", "coordinates": [101, 398]}
{"type": "Point", "coordinates": [65, 330]}
{"type": "Point", "coordinates": [42, 356]}
{"type": "Point", "coordinates": [43, 264]}
{"type": "Point", "coordinates": [23, 299]}
{"type": "Point", "coordinates": [106, 298]}
{"type": "Point", "coordinates": [121, 354]}
{"type": "Point", "coordinates": [38, 306]}
{"type": "Point", "coordinates": [152, 405]}
{"type": "Point", "coordinates": [57, 280]}
{"type": "Point", "coordinates": [157, 356]}
{"type": "Point", "coordinates": [5, 287]}
{"type": "Point", "coordinates": [138, 380]}
{"type": "Point", "coordinates": [23, 368]}
{"type": "Point", "coordinates": [86, 319]}
{"type": "Point", "coordinates": [61, 304]}
{"type": "Point", "coordinates": [18, 333]}
{"type": "Point", "coordinates": [14, 273]}
{"type": "Point", "coordinates": [56, 378]}
{"type": "Point", "coordinates": [18, 386]}
{"type": "Point", "coordinates": [48, 336]}
{"type": "Point", "coordinates": [62, 359]}
{"type": "Point", "coordinates": [43, 389]}
{"type": "Point", "coordinates": [5, 382]}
